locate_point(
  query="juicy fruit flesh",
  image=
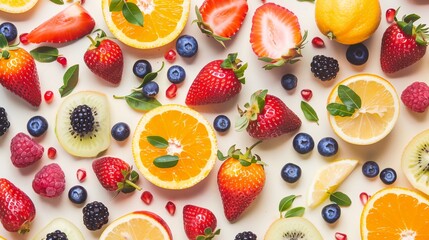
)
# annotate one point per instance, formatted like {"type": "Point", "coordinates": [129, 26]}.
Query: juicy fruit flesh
{"type": "Point", "coordinates": [17, 6]}
{"type": "Point", "coordinates": [291, 229]}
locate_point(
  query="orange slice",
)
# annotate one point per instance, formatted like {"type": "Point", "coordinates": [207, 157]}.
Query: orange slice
{"type": "Point", "coordinates": [189, 136]}
{"type": "Point", "coordinates": [395, 213]}
{"type": "Point", "coordinates": [164, 20]}
{"type": "Point", "coordinates": [138, 225]}
{"type": "Point", "coordinates": [16, 6]}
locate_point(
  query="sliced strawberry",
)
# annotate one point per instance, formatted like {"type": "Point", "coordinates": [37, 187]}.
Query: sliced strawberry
{"type": "Point", "coordinates": [276, 35]}
{"type": "Point", "coordinates": [221, 19]}
{"type": "Point", "coordinates": [72, 23]}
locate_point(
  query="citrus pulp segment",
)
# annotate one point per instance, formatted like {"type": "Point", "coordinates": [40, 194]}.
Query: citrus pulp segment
{"type": "Point", "coordinates": [164, 20]}
{"type": "Point", "coordinates": [17, 6]}
{"type": "Point", "coordinates": [377, 115]}
{"type": "Point", "coordinates": [395, 213]}
{"type": "Point", "coordinates": [189, 136]}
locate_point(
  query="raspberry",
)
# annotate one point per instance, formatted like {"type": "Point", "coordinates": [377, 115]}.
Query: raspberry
{"type": "Point", "coordinates": [49, 181]}
{"type": "Point", "coordinates": [416, 96]}
{"type": "Point", "coordinates": [247, 235]}
{"type": "Point", "coordinates": [24, 151]}
{"type": "Point", "coordinates": [95, 215]}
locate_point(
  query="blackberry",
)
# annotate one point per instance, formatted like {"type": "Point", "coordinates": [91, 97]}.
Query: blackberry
{"type": "Point", "coordinates": [4, 123]}
{"type": "Point", "coordinates": [247, 235]}
{"type": "Point", "coordinates": [82, 121]}
{"type": "Point", "coordinates": [56, 235]}
{"type": "Point", "coordinates": [95, 215]}
{"type": "Point", "coordinates": [325, 68]}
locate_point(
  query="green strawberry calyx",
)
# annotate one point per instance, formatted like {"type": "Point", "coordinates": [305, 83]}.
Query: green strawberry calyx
{"type": "Point", "coordinates": [208, 234]}
{"type": "Point", "coordinates": [95, 42]}
{"type": "Point", "coordinates": [206, 29]}
{"type": "Point", "coordinates": [407, 26]}
{"type": "Point", "coordinates": [235, 64]}
{"type": "Point", "coordinates": [129, 183]}
{"type": "Point", "coordinates": [245, 159]}
{"type": "Point", "coordinates": [253, 109]}
{"type": "Point", "coordinates": [5, 47]}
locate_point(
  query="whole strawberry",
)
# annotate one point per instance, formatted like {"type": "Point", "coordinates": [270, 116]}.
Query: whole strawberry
{"type": "Point", "coordinates": [217, 82]}
{"type": "Point", "coordinates": [240, 180]}
{"type": "Point", "coordinates": [267, 117]}
{"type": "Point", "coordinates": [403, 44]}
{"type": "Point", "coordinates": [18, 72]}
{"type": "Point", "coordinates": [199, 223]}
{"type": "Point", "coordinates": [104, 58]}
{"type": "Point", "coordinates": [49, 181]}
{"type": "Point", "coordinates": [115, 174]}
{"type": "Point", "coordinates": [24, 150]}
{"type": "Point", "coordinates": [17, 210]}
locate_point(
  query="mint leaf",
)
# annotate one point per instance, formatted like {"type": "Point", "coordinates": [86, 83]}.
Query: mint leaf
{"type": "Point", "coordinates": [70, 79]}
{"type": "Point", "coordinates": [44, 54]}
{"type": "Point", "coordinates": [166, 161]}
{"type": "Point", "coordinates": [295, 212]}
{"type": "Point", "coordinates": [116, 5]}
{"type": "Point", "coordinates": [338, 109]}
{"type": "Point", "coordinates": [286, 203]}
{"type": "Point", "coordinates": [349, 97]}
{"type": "Point", "coordinates": [132, 13]}
{"type": "Point", "coordinates": [157, 141]}
{"type": "Point", "coordinates": [137, 101]}
{"type": "Point", "coordinates": [309, 112]}
{"type": "Point", "coordinates": [340, 198]}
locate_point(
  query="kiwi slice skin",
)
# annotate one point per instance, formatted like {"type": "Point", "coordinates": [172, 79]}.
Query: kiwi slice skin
{"type": "Point", "coordinates": [89, 143]}
{"type": "Point", "coordinates": [64, 226]}
{"type": "Point", "coordinates": [415, 161]}
{"type": "Point", "coordinates": [292, 228]}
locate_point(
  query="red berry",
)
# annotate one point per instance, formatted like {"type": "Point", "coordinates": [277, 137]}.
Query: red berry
{"type": "Point", "coordinates": [363, 196]}
{"type": "Point", "coordinates": [340, 236]}
{"type": "Point", "coordinates": [146, 197]}
{"type": "Point", "coordinates": [171, 91]}
{"type": "Point", "coordinates": [49, 96]}
{"type": "Point", "coordinates": [170, 55]}
{"type": "Point", "coordinates": [23, 38]}
{"type": "Point", "coordinates": [318, 42]}
{"type": "Point", "coordinates": [82, 2]}
{"type": "Point", "coordinates": [390, 15]}
{"type": "Point", "coordinates": [49, 181]}
{"type": "Point", "coordinates": [416, 96]}
{"type": "Point", "coordinates": [81, 175]}
{"type": "Point", "coordinates": [62, 60]}
{"type": "Point", "coordinates": [306, 94]}
{"type": "Point", "coordinates": [171, 207]}
{"type": "Point", "coordinates": [52, 152]}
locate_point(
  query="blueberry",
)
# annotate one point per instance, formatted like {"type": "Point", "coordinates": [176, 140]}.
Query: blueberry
{"type": "Point", "coordinates": [327, 147]}
{"type": "Point", "coordinates": [37, 126]}
{"type": "Point", "coordinates": [176, 74]}
{"type": "Point", "coordinates": [221, 123]}
{"type": "Point", "coordinates": [77, 194]}
{"type": "Point", "coordinates": [150, 89]}
{"type": "Point", "coordinates": [120, 131]}
{"type": "Point", "coordinates": [290, 172]}
{"type": "Point", "coordinates": [141, 68]}
{"type": "Point", "coordinates": [303, 143]}
{"type": "Point", "coordinates": [9, 30]}
{"type": "Point", "coordinates": [388, 176]}
{"type": "Point", "coordinates": [289, 81]}
{"type": "Point", "coordinates": [357, 54]}
{"type": "Point", "coordinates": [186, 46]}
{"type": "Point", "coordinates": [331, 213]}
{"type": "Point", "coordinates": [370, 169]}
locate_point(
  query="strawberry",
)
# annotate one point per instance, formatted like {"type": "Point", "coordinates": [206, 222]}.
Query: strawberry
{"type": "Point", "coordinates": [115, 174]}
{"type": "Point", "coordinates": [104, 58]}
{"type": "Point", "coordinates": [199, 223]}
{"type": "Point", "coordinates": [17, 211]}
{"type": "Point", "coordinates": [18, 72]}
{"type": "Point", "coordinates": [217, 82]}
{"type": "Point", "coordinates": [240, 180]}
{"type": "Point", "coordinates": [221, 19]}
{"type": "Point", "coordinates": [275, 35]}
{"type": "Point", "coordinates": [72, 23]}
{"type": "Point", "coordinates": [403, 44]}
{"type": "Point", "coordinates": [267, 117]}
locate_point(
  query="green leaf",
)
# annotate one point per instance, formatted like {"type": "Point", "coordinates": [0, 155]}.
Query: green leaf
{"type": "Point", "coordinates": [138, 101]}
{"type": "Point", "coordinates": [349, 97]}
{"type": "Point", "coordinates": [151, 76]}
{"type": "Point", "coordinates": [338, 109]}
{"type": "Point", "coordinates": [132, 14]}
{"type": "Point", "coordinates": [3, 42]}
{"type": "Point", "coordinates": [241, 123]}
{"type": "Point", "coordinates": [45, 54]}
{"type": "Point", "coordinates": [116, 5]}
{"type": "Point", "coordinates": [220, 156]}
{"type": "Point", "coordinates": [70, 79]}
{"type": "Point", "coordinates": [59, 2]}
{"type": "Point", "coordinates": [157, 141]}
{"type": "Point", "coordinates": [244, 163]}
{"type": "Point", "coordinates": [295, 212]}
{"type": "Point", "coordinates": [341, 199]}
{"type": "Point", "coordinates": [286, 202]}
{"type": "Point", "coordinates": [309, 112]}
{"type": "Point", "coordinates": [166, 161]}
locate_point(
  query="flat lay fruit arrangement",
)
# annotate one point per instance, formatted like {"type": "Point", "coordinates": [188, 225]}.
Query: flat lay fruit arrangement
{"type": "Point", "coordinates": [214, 119]}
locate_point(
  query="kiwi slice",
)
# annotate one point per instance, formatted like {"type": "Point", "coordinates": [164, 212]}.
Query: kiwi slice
{"type": "Point", "coordinates": [83, 124]}
{"type": "Point", "coordinates": [63, 225]}
{"type": "Point", "coordinates": [292, 228]}
{"type": "Point", "coordinates": [415, 161]}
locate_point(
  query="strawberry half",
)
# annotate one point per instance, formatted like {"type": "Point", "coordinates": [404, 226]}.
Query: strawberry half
{"type": "Point", "coordinates": [199, 223]}
{"type": "Point", "coordinates": [403, 44]}
{"type": "Point", "coordinates": [70, 24]}
{"type": "Point", "coordinates": [221, 19]}
{"type": "Point", "coordinates": [275, 35]}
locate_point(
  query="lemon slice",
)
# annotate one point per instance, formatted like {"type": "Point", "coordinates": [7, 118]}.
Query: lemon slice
{"type": "Point", "coordinates": [378, 113]}
{"type": "Point", "coordinates": [17, 6]}
{"type": "Point", "coordinates": [328, 179]}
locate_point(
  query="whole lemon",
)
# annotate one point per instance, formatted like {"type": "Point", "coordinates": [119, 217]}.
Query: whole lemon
{"type": "Point", "coordinates": [348, 22]}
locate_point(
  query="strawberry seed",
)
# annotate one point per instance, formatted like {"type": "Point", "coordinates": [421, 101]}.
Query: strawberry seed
{"type": "Point", "coordinates": [81, 175]}
{"type": "Point", "coordinates": [390, 15]}
{"type": "Point", "coordinates": [146, 197]}
{"type": "Point", "coordinates": [171, 207]}
{"type": "Point", "coordinates": [318, 42]}
{"type": "Point", "coordinates": [306, 94]}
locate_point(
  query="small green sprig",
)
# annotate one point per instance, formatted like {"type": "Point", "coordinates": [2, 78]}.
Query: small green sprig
{"type": "Point", "coordinates": [165, 161]}
{"type": "Point", "coordinates": [130, 11]}
{"type": "Point", "coordinates": [285, 205]}
{"type": "Point", "coordinates": [350, 103]}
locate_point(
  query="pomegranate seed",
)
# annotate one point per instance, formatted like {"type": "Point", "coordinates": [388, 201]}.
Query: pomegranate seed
{"type": "Point", "coordinates": [340, 236]}
{"type": "Point", "coordinates": [146, 197]}
{"type": "Point", "coordinates": [49, 96]}
{"type": "Point", "coordinates": [23, 38]}
{"type": "Point", "coordinates": [318, 42]}
{"type": "Point", "coordinates": [306, 94]}
{"type": "Point", "coordinates": [62, 60]}
{"type": "Point", "coordinates": [52, 152]}
{"type": "Point", "coordinates": [390, 15]}
{"type": "Point", "coordinates": [81, 175]}
{"type": "Point", "coordinates": [82, 2]}
{"type": "Point", "coordinates": [171, 207]}
{"type": "Point", "coordinates": [170, 55]}
{"type": "Point", "coordinates": [363, 196]}
{"type": "Point", "coordinates": [171, 91]}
